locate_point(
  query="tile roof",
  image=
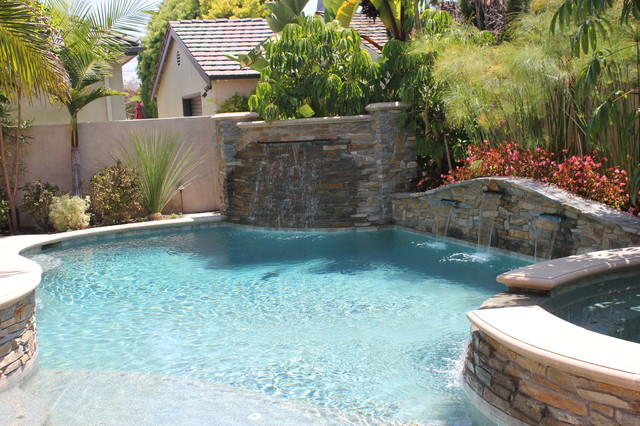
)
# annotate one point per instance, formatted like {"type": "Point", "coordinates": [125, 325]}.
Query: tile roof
{"type": "Point", "coordinates": [210, 41]}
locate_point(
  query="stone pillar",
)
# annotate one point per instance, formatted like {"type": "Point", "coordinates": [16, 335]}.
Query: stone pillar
{"type": "Point", "coordinates": [396, 153]}
{"type": "Point", "coordinates": [227, 141]}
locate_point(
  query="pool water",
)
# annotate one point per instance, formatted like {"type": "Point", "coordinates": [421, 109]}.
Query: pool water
{"type": "Point", "coordinates": [609, 306]}
{"type": "Point", "coordinates": [369, 323]}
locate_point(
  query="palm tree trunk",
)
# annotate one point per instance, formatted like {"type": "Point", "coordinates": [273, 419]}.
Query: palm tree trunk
{"type": "Point", "coordinates": [76, 185]}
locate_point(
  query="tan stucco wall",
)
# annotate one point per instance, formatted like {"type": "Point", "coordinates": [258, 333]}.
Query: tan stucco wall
{"type": "Point", "coordinates": [105, 109]}
{"type": "Point", "coordinates": [178, 81]}
{"type": "Point", "coordinates": [48, 157]}
{"type": "Point", "coordinates": [224, 89]}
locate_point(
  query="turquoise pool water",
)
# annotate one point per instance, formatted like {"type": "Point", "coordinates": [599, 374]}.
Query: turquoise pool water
{"type": "Point", "coordinates": [368, 323]}
{"type": "Point", "coordinates": [609, 305]}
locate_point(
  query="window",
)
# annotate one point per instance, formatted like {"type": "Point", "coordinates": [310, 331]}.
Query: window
{"type": "Point", "coordinates": [192, 106]}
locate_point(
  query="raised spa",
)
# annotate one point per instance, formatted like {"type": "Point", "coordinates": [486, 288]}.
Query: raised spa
{"type": "Point", "coordinates": [232, 325]}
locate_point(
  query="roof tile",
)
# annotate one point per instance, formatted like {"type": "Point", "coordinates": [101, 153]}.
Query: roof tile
{"type": "Point", "coordinates": [210, 41]}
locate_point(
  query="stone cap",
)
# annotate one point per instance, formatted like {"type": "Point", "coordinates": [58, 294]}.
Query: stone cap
{"type": "Point", "coordinates": [553, 273]}
{"type": "Point", "coordinates": [235, 116]}
{"type": "Point", "coordinates": [386, 106]}
{"type": "Point", "coordinates": [306, 121]}
{"type": "Point", "coordinates": [541, 336]}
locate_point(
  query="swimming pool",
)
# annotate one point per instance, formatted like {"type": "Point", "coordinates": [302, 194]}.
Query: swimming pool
{"type": "Point", "coordinates": [371, 324]}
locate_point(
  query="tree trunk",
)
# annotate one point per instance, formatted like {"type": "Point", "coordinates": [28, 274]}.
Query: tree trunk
{"type": "Point", "coordinates": [76, 184]}
{"type": "Point", "coordinates": [7, 186]}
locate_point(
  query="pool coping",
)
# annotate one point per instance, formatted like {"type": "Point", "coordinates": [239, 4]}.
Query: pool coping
{"type": "Point", "coordinates": [19, 276]}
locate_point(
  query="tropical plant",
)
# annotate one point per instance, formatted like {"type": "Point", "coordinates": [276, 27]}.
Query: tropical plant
{"type": "Point", "coordinates": [617, 117]}
{"type": "Point", "coordinates": [28, 68]}
{"type": "Point", "coordinates": [164, 165]}
{"type": "Point", "coordinates": [236, 103]}
{"type": "Point", "coordinates": [116, 194]}
{"type": "Point", "coordinates": [408, 71]}
{"type": "Point", "coordinates": [396, 15]}
{"type": "Point", "coordinates": [92, 40]}
{"type": "Point", "coordinates": [36, 202]}
{"type": "Point", "coordinates": [69, 213]}
{"type": "Point", "coordinates": [315, 69]}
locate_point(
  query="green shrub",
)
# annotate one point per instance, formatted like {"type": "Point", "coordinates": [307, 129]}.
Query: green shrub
{"type": "Point", "coordinates": [116, 195]}
{"type": "Point", "coordinates": [4, 214]}
{"type": "Point", "coordinates": [315, 69]}
{"type": "Point", "coordinates": [236, 103]}
{"type": "Point", "coordinates": [68, 213]}
{"type": "Point", "coordinates": [36, 202]}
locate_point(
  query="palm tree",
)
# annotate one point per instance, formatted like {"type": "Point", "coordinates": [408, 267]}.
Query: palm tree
{"type": "Point", "coordinates": [92, 40]}
{"type": "Point", "coordinates": [28, 67]}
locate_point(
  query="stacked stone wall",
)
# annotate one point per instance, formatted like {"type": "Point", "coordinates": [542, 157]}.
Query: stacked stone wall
{"type": "Point", "coordinates": [583, 226]}
{"type": "Point", "coordinates": [535, 393]}
{"type": "Point", "coordinates": [18, 343]}
{"type": "Point", "coordinates": [316, 173]}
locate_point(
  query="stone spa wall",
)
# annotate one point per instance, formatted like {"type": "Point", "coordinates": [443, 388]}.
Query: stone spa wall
{"type": "Point", "coordinates": [535, 393]}
{"type": "Point", "coordinates": [332, 172]}
{"type": "Point", "coordinates": [18, 344]}
{"type": "Point", "coordinates": [518, 215]}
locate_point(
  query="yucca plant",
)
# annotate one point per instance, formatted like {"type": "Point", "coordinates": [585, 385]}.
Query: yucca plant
{"type": "Point", "coordinates": [164, 165]}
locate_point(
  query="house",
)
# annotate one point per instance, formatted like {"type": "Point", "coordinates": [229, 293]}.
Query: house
{"type": "Point", "coordinates": [194, 74]}
{"type": "Point", "coordinates": [110, 108]}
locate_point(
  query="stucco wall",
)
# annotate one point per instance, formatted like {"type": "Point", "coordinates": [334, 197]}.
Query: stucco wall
{"type": "Point", "coordinates": [48, 157]}
{"type": "Point", "coordinates": [224, 89]}
{"type": "Point", "coordinates": [105, 109]}
{"type": "Point", "coordinates": [184, 80]}
{"type": "Point", "coordinates": [178, 81]}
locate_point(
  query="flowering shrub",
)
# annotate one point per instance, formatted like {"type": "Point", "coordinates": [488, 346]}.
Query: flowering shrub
{"type": "Point", "coordinates": [586, 176]}
{"type": "Point", "coordinates": [68, 213]}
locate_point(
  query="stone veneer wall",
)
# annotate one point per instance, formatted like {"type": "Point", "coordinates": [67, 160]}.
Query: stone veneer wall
{"type": "Point", "coordinates": [18, 343]}
{"type": "Point", "coordinates": [583, 226]}
{"type": "Point", "coordinates": [535, 393]}
{"type": "Point", "coordinates": [317, 172]}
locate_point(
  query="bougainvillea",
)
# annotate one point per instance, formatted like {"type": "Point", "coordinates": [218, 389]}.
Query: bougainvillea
{"type": "Point", "coordinates": [586, 176]}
